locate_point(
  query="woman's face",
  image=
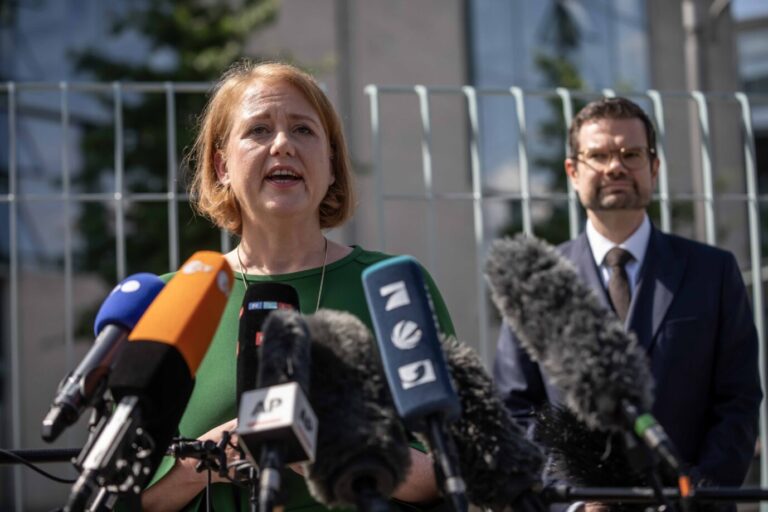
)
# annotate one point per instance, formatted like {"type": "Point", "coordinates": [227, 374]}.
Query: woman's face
{"type": "Point", "coordinates": [277, 158]}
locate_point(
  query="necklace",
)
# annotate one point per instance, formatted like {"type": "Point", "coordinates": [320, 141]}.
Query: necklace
{"type": "Point", "coordinates": [322, 272]}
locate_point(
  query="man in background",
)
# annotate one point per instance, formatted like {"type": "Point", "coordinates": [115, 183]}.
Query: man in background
{"type": "Point", "coordinates": [685, 301]}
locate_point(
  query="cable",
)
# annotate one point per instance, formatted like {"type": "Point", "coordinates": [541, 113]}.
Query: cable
{"type": "Point", "coordinates": [31, 466]}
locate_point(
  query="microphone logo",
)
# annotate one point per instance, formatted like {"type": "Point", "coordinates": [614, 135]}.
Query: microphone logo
{"type": "Point", "coordinates": [195, 266]}
{"type": "Point", "coordinates": [222, 281]}
{"type": "Point", "coordinates": [405, 334]}
{"type": "Point", "coordinates": [416, 374]}
{"type": "Point", "coordinates": [398, 295]}
{"type": "Point", "coordinates": [130, 286]}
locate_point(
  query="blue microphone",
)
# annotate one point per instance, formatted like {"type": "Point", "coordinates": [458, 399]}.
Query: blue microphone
{"type": "Point", "coordinates": [115, 320]}
{"type": "Point", "coordinates": [414, 364]}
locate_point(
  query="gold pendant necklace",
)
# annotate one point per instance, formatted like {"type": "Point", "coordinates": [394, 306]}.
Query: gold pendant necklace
{"type": "Point", "coordinates": [322, 272]}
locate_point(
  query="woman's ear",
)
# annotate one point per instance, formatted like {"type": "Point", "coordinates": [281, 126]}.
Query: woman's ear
{"type": "Point", "coordinates": [220, 164]}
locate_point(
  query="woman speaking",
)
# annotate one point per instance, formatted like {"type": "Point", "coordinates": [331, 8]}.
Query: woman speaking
{"type": "Point", "coordinates": [271, 166]}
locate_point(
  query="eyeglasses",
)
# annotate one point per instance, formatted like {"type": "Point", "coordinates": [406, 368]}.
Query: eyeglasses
{"type": "Point", "coordinates": [631, 158]}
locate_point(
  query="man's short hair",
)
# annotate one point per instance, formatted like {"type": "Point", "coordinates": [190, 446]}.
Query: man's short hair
{"type": "Point", "coordinates": [609, 108]}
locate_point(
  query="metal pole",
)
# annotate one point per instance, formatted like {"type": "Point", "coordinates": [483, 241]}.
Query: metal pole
{"type": "Point", "coordinates": [15, 356]}
{"type": "Point", "coordinates": [173, 166]}
{"type": "Point", "coordinates": [477, 208]}
{"type": "Point", "coordinates": [522, 153]}
{"type": "Point", "coordinates": [426, 163]}
{"type": "Point", "coordinates": [373, 93]}
{"type": "Point", "coordinates": [757, 280]}
{"type": "Point", "coordinates": [119, 174]}
{"type": "Point", "coordinates": [661, 133]}
{"type": "Point", "coordinates": [573, 204]}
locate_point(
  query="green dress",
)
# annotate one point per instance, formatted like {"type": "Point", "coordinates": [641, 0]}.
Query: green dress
{"type": "Point", "coordinates": [213, 398]}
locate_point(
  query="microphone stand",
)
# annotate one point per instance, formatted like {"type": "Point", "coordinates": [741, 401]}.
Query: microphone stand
{"type": "Point", "coordinates": [38, 456]}
{"type": "Point", "coordinates": [642, 460]}
{"type": "Point", "coordinates": [213, 457]}
{"type": "Point", "coordinates": [562, 493]}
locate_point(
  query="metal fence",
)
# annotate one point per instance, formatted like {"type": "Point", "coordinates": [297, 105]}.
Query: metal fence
{"type": "Point", "coordinates": [476, 196]}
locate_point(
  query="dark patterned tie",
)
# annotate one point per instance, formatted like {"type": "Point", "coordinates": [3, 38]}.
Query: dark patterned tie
{"type": "Point", "coordinates": [618, 284]}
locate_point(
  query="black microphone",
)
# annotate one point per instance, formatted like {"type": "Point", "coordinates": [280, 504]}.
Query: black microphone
{"type": "Point", "coordinates": [276, 424]}
{"type": "Point", "coordinates": [409, 346]}
{"type": "Point", "coordinates": [501, 467]}
{"type": "Point", "coordinates": [362, 448]}
{"type": "Point", "coordinates": [85, 386]}
{"type": "Point", "coordinates": [260, 300]}
{"type": "Point", "coordinates": [601, 370]}
{"type": "Point", "coordinates": [153, 379]}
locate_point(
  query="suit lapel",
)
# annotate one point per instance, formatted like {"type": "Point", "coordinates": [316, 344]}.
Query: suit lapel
{"type": "Point", "coordinates": [659, 280]}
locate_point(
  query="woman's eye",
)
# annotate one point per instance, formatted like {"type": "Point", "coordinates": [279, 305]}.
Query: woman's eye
{"type": "Point", "coordinates": [304, 130]}
{"type": "Point", "coordinates": [259, 130]}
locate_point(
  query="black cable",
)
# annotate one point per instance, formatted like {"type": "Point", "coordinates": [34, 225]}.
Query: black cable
{"type": "Point", "coordinates": [31, 466]}
{"type": "Point", "coordinates": [208, 503]}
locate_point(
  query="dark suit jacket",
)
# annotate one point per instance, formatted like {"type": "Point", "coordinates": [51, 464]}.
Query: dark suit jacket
{"type": "Point", "coordinates": [691, 313]}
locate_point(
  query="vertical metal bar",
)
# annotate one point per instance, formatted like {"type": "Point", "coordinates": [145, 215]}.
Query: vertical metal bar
{"type": "Point", "coordinates": [173, 165]}
{"type": "Point", "coordinates": [69, 315]}
{"type": "Point", "coordinates": [522, 153]}
{"type": "Point", "coordinates": [757, 280]}
{"type": "Point", "coordinates": [573, 205]}
{"type": "Point", "coordinates": [661, 134]}
{"type": "Point", "coordinates": [119, 174]}
{"type": "Point", "coordinates": [706, 167]}
{"type": "Point", "coordinates": [477, 207]}
{"type": "Point", "coordinates": [426, 162]}
{"type": "Point", "coordinates": [225, 240]}
{"type": "Point", "coordinates": [373, 92]}
{"type": "Point", "coordinates": [13, 246]}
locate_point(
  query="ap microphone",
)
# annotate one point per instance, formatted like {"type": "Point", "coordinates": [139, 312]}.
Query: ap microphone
{"type": "Point", "coordinates": [117, 316]}
{"type": "Point", "coordinates": [601, 370]}
{"type": "Point", "coordinates": [276, 424]}
{"type": "Point", "coordinates": [408, 342]}
{"type": "Point", "coordinates": [260, 300]}
{"type": "Point", "coordinates": [501, 467]}
{"type": "Point", "coordinates": [362, 448]}
{"type": "Point", "coordinates": [153, 378]}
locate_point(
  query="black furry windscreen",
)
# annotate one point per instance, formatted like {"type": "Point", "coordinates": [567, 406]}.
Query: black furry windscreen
{"type": "Point", "coordinates": [356, 418]}
{"type": "Point", "coordinates": [588, 457]}
{"type": "Point", "coordinates": [497, 462]}
{"type": "Point", "coordinates": [561, 324]}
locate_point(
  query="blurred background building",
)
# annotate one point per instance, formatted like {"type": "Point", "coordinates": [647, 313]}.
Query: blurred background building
{"type": "Point", "coordinates": [99, 99]}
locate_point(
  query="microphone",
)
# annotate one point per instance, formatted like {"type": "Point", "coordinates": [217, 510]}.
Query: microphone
{"type": "Point", "coordinates": [116, 318]}
{"type": "Point", "coordinates": [276, 424]}
{"type": "Point", "coordinates": [601, 369]}
{"type": "Point", "coordinates": [153, 379]}
{"type": "Point", "coordinates": [414, 364]}
{"type": "Point", "coordinates": [260, 300]}
{"type": "Point", "coordinates": [362, 448]}
{"type": "Point", "coordinates": [501, 467]}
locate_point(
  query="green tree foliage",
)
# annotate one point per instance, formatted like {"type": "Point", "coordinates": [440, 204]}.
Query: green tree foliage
{"type": "Point", "coordinates": [189, 41]}
{"type": "Point", "coordinates": [560, 38]}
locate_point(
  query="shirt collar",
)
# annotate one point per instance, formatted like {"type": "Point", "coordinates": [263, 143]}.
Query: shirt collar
{"type": "Point", "coordinates": [636, 244]}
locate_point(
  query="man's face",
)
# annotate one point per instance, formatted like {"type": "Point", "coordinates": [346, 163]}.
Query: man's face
{"type": "Point", "coordinates": [615, 183]}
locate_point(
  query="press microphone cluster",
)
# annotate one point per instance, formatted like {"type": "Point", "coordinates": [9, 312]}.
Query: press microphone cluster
{"type": "Point", "coordinates": [153, 378]}
{"type": "Point", "coordinates": [410, 352]}
{"type": "Point", "coordinates": [601, 370]}
{"type": "Point", "coordinates": [85, 386]}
